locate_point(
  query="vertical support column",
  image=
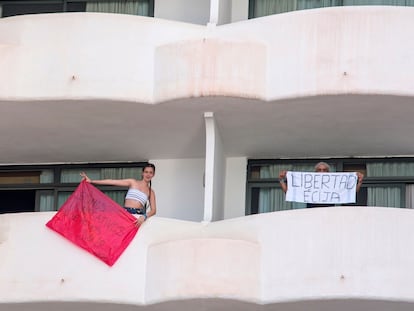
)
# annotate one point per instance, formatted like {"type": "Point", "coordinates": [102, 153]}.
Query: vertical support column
{"type": "Point", "coordinates": [214, 12]}
{"type": "Point", "coordinates": [214, 172]}
{"type": "Point", "coordinates": [209, 169]}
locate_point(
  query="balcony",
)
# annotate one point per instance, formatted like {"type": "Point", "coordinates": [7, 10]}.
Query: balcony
{"type": "Point", "coordinates": [74, 78]}
{"type": "Point", "coordinates": [319, 259]}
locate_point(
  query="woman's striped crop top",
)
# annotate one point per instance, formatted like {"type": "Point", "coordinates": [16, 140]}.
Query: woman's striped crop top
{"type": "Point", "coordinates": [137, 195]}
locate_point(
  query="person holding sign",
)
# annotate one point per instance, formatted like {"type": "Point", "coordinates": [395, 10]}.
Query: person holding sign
{"type": "Point", "coordinates": [322, 188]}
{"type": "Point", "coordinates": [139, 192]}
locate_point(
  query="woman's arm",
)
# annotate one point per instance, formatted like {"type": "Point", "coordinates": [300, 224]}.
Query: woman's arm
{"type": "Point", "coordinates": [108, 182]}
{"type": "Point", "coordinates": [140, 220]}
{"type": "Point", "coordinates": [153, 204]}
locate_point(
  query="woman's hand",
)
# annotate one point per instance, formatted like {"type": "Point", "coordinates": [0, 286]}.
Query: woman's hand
{"type": "Point", "coordinates": [140, 220]}
{"type": "Point", "coordinates": [85, 177]}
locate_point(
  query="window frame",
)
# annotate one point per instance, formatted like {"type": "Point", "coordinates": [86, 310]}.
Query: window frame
{"type": "Point", "coordinates": [252, 6]}
{"type": "Point", "coordinates": [65, 3]}
{"type": "Point", "coordinates": [56, 185]}
{"type": "Point", "coordinates": [340, 163]}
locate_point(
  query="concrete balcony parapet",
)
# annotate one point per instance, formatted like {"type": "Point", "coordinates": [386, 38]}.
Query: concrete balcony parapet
{"type": "Point", "coordinates": [337, 254]}
{"type": "Point", "coordinates": [338, 50]}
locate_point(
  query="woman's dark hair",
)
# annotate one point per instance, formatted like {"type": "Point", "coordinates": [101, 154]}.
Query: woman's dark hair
{"type": "Point", "coordinates": [149, 165]}
{"type": "Point", "coordinates": [153, 167]}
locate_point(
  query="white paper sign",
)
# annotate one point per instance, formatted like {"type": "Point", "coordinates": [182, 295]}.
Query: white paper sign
{"type": "Point", "coordinates": [328, 188]}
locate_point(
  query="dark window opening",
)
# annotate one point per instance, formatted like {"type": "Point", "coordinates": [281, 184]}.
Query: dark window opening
{"type": "Point", "coordinates": [38, 8]}
{"type": "Point", "coordinates": [15, 201]}
{"type": "Point", "coordinates": [255, 201]}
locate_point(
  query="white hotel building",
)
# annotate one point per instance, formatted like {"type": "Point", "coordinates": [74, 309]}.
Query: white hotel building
{"type": "Point", "coordinates": [220, 95]}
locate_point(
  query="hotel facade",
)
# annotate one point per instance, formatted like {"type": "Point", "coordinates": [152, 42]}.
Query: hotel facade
{"type": "Point", "coordinates": [220, 96]}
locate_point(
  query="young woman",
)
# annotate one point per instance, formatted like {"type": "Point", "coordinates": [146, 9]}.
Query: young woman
{"type": "Point", "coordinates": [139, 192]}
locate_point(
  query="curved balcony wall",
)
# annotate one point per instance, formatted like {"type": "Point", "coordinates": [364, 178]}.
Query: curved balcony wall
{"type": "Point", "coordinates": [339, 50]}
{"type": "Point", "coordinates": [345, 256]}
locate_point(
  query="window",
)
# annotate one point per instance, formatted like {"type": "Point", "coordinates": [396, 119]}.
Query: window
{"type": "Point", "coordinates": [46, 188]}
{"type": "Point", "coordinates": [387, 182]}
{"type": "Point", "coordinates": [258, 8]}
{"type": "Point", "coordinates": [14, 8]}
{"type": "Point", "coordinates": [19, 7]}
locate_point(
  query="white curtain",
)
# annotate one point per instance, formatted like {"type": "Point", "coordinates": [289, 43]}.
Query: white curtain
{"type": "Point", "coordinates": [62, 197]}
{"type": "Point", "coordinates": [47, 201]}
{"type": "Point", "coordinates": [385, 197]}
{"type": "Point", "coordinates": [72, 176]}
{"type": "Point", "coordinates": [390, 196]}
{"type": "Point", "coordinates": [376, 2]}
{"type": "Point", "coordinates": [133, 7]}
{"type": "Point", "coordinates": [409, 196]}
{"type": "Point", "coordinates": [121, 173]}
{"type": "Point", "coordinates": [273, 199]}
{"type": "Point", "coordinates": [391, 169]}
{"type": "Point", "coordinates": [46, 177]}
{"type": "Point", "coordinates": [313, 4]}
{"type": "Point", "coordinates": [116, 195]}
{"type": "Point", "coordinates": [269, 7]}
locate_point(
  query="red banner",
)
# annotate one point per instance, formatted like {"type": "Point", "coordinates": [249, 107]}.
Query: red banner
{"type": "Point", "coordinates": [94, 222]}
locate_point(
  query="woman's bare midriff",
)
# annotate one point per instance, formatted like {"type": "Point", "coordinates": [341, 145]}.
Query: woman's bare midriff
{"type": "Point", "coordinates": [132, 204]}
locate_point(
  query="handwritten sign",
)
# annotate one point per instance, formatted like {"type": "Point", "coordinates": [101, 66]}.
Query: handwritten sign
{"type": "Point", "coordinates": [94, 222]}
{"type": "Point", "coordinates": [328, 188]}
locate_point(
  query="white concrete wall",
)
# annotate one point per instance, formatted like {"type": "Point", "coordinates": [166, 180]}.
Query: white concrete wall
{"type": "Point", "coordinates": [157, 60]}
{"type": "Point", "coordinates": [198, 11]}
{"type": "Point", "coordinates": [345, 50]}
{"type": "Point", "coordinates": [83, 62]}
{"type": "Point", "coordinates": [214, 171]}
{"type": "Point", "coordinates": [225, 12]}
{"type": "Point", "coordinates": [219, 177]}
{"type": "Point", "coordinates": [239, 10]}
{"type": "Point", "coordinates": [325, 254]}
{"type": "Point", "coordinates": [179, 183]}
{"type": "Point", "coordinates": [194, 11]}
{"type": "Point", "coordinates": [209, 169]}
{"type": "Point", "coordinates": [235, 187]}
